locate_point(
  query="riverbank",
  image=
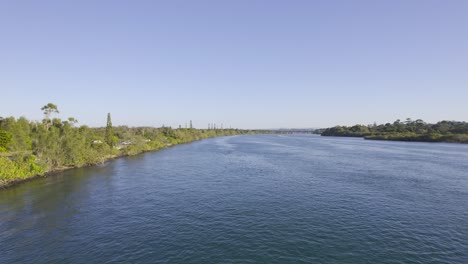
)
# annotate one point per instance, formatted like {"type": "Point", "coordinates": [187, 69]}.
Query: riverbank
{"type": "Point", "coordinates": [434, 138]}
{"type": "Point", "coordinates": [56, 171]}
{"type": "Point", "coordinates": [4, 184]}
{"type": "Point", "coordinates": [409, 130]}
{"type": "Point", "coordinates": [8, 184]}
{"type": "Point", "coordinates": [456, 138]}
{"type": "Point", "coordinates": [30, 149]}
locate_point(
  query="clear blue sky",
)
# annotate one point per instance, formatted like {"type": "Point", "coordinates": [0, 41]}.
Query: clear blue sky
{"type": "Point", "coordinates": [244, 63]}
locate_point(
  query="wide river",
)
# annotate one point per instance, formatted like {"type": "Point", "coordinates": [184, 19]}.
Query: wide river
{"type": "Point", "coordinates": [249, 199]}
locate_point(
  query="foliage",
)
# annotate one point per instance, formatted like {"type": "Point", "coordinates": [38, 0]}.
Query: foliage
{"type": "Point", "coordinates": [409, 130]}
{"type": "Point", "coordinates": [5, 139]}
{"type": "Point", "coordinates": [19, 168]}
{"type": "Point", "coordinates": [49, 109]}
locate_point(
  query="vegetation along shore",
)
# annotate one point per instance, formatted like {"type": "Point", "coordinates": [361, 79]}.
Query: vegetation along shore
{"type": "Point", "coordinates": [31, 149]}
{"type": "Point", "coordinates": [409, 130]}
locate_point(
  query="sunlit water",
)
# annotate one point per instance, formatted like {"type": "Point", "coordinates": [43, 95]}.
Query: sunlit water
{"type": "Point", "coordinates": [249, 199]}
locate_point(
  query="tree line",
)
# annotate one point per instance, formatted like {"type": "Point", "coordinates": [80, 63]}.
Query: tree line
{"type": "Point", "coordinates": [408, 130]}
{"type": "Point", "coordinates": [29, 148]}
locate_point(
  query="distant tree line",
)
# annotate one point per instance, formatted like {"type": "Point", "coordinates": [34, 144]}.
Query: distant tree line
{"type": "Point", "coordinates": [29, 148]}
{"type": "Point", "coordinates": [408, 130]}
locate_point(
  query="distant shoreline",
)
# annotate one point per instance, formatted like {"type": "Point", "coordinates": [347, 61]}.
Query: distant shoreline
{"type": "Point", "coordinates": [403, 139]}
{"type": "Point", "coordinates": [409, 131]}
{"type": "Point", "coordinates": [396, 140]}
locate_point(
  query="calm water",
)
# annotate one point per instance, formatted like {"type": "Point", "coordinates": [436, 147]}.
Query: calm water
{"type": "Point", "coordinates": [249, 199]}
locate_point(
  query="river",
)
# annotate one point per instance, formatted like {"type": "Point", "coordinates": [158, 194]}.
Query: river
{"type": "Point", "coordinates": [248, 199]}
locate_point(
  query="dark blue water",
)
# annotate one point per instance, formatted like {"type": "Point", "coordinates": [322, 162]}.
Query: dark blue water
{"type": "Point", "coordinates": [249, 199]}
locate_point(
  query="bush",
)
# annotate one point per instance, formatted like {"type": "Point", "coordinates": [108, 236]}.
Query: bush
{"type": "Point", "coordinates": [19, 168]}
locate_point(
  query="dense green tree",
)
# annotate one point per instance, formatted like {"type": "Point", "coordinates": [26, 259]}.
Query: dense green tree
{"type": "Point", "coordinates": [21, 131]}
{"type": "Point", "coordinates": [5, 139]}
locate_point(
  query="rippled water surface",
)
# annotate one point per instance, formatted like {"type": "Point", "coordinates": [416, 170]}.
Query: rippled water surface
{"type": "Point", "coordinates": [249, 199]}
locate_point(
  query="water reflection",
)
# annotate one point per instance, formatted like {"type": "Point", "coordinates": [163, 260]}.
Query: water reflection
{"type": "Point", "coordinates": [252, 199]}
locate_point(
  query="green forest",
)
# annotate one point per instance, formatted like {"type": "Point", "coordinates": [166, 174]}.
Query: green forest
{"type": "Point", "coordinates": [408, 130]}
{"type": "Point", "coordinates": [30, 148]}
